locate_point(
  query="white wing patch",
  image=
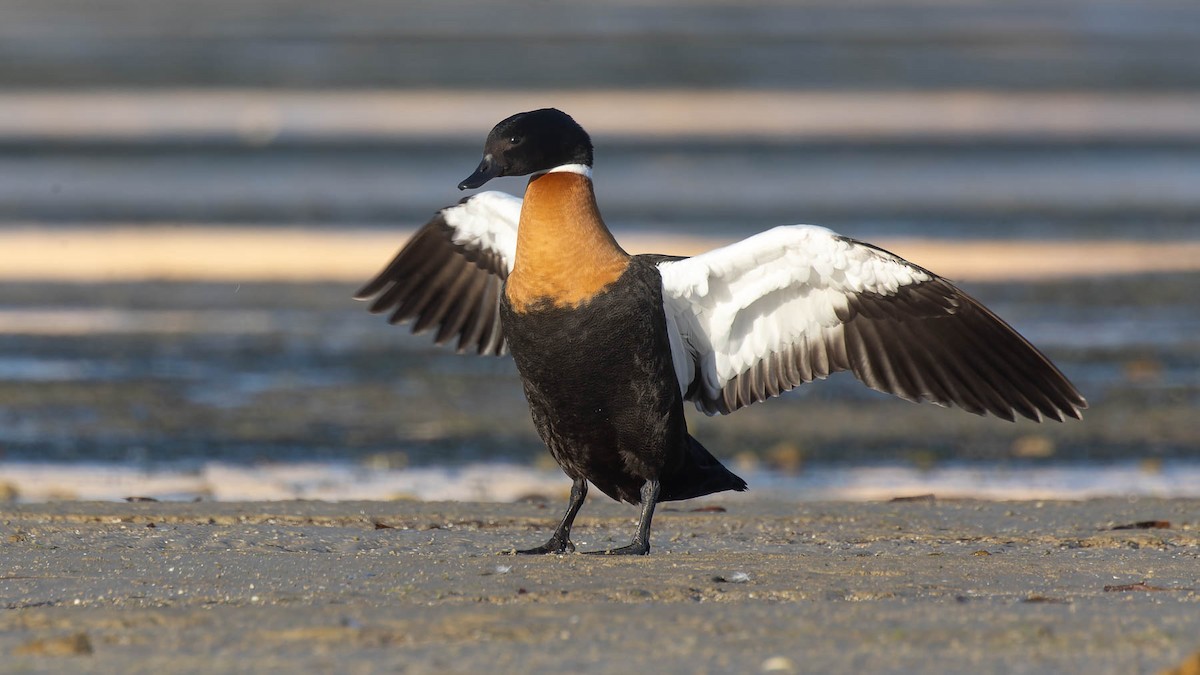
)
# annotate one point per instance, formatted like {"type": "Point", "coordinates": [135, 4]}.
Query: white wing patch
{"type": "Point", "coordinates": [785, 290]}
{"type": "Point", "coordinates": [487, 221]}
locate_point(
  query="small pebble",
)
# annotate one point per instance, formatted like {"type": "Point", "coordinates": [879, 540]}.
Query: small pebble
{"type": "Point", "coordinates": [734, 578]}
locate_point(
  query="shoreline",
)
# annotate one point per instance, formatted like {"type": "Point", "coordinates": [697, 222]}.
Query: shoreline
{"type": "Point", "coordinates": [500, 482]}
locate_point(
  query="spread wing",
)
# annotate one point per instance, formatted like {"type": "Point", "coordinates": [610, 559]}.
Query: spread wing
{"type": "Point", "coordinates": [797, 303]}
{"type": "Point", "coordinates": [450, 274]}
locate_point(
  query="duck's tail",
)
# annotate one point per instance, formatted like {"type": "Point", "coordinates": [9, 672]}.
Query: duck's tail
{"type": "Point", "coordinates": [701, 474]}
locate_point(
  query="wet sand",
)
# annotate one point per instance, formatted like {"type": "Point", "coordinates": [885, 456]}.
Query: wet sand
{"type": "Point", "coordinates": [916, 586]}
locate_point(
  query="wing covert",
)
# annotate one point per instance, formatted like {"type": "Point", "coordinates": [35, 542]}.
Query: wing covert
{"type": "Point", "coordinates": [797, 303]}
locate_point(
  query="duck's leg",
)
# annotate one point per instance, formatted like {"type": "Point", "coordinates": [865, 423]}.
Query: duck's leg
{"type": "Point", "coordinates": [560, 541]}
{"type": "Point", "coordinates": [641, 541]}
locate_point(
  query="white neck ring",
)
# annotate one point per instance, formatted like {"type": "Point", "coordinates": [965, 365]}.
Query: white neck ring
{"type": "Point", "coordinates": [581, 169]}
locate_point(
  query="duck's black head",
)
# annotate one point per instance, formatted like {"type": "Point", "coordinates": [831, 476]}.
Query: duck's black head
{"type": "Point", "coordinates": [529, 142]}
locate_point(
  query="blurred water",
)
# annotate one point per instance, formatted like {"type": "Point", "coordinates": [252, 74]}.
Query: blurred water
{"type": "Point", "coordinates": [162, 372]}
{"type": "Point", "coordinates": [1006, 190]}
{"type": "Point", "coordinates": [151, 374]}
{"type": "Point", "coordinates": [1038, 44]}
{"type": "Point", "coordinates": [257, 372]}
{"type": "Point", "coordinates": [1048, 120]}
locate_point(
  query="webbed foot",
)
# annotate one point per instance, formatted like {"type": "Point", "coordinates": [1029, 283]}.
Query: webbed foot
{"type": "Point", "coordinates": [636, 548]}
{"type": "Point", "coordinates": [560, 541]}
{"type": "Point", "coordinates": [555, 545]}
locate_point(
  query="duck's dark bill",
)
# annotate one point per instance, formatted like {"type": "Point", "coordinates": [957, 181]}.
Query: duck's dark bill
{"type": "Point", "coordinates": [487, 170]}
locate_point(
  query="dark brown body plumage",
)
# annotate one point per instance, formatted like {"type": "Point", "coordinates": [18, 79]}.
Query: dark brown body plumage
{"type": "Point", "coordinates": [585, 323]}
{"type": "Point", "coordinates": [603, 391]}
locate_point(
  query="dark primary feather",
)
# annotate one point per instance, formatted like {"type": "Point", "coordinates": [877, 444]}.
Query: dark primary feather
{"type": "Point", "coordinates": [439, 284]}
{"type": "Point", "coordinates": [928, 342]}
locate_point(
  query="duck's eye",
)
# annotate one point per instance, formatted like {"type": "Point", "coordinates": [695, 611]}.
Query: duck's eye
{"type": "Point", "coordinates": [515, 140]}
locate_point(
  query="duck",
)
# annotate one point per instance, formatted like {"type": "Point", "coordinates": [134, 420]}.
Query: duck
{"type": "Point", "coordinates": [610, 346]}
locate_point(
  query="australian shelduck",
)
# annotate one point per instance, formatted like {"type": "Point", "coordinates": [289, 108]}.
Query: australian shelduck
{"type": "Point", "coordinates": [610, 345]}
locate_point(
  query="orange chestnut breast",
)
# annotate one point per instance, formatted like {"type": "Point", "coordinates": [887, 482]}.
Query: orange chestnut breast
{"type": "Point", "coordinates": [565, 253]}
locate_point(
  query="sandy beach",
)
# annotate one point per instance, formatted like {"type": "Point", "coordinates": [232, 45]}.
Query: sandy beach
{"type": "Point", "coordinates": [920, 585]}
